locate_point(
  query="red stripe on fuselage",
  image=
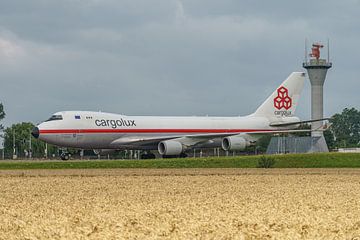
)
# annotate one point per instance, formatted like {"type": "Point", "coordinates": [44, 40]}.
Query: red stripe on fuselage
{"type": "Point", "coordinates": [63, 131]}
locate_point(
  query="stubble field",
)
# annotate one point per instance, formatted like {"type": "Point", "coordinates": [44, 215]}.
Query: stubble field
{"type": "Point", "coordinates": [180, 204]}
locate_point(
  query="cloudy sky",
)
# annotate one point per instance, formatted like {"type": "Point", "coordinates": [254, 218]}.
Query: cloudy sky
{"type": "Point", "coordinates": [169, 57]}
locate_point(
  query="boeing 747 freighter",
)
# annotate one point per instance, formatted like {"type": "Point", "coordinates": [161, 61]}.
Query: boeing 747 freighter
{"type": "Point", "coordinates": [173, 136]}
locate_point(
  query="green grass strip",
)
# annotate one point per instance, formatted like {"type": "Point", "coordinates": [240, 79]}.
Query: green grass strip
{"type": "Point", "coordinates": [319, 160]}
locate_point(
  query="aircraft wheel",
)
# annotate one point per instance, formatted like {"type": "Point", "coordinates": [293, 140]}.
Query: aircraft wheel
{"type": "Point", "coordinates": [64, 156]}
{"type": "Point", "coordinates": [148, 156]}
{"type": "Point", "coordinates": [170, 156]}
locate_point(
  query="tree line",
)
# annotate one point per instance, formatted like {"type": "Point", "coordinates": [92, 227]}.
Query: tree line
{"type": "Point", "coordinates": [345, 128]}
{"type": "Point", "coordinates": [19, 142]}
{"type": "Point", "coordinates": [343, 133]}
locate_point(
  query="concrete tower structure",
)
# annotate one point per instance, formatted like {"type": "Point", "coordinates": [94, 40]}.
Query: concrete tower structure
{"type": "Point", "coordinates": [317, 69]}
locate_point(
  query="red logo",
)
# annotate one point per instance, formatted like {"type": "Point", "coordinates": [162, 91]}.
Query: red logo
{"type": "Point", "coordinates": [282, 100]}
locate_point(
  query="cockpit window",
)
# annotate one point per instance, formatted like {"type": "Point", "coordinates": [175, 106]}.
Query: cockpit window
{"type": "Point", "coordinates": [55, 117]}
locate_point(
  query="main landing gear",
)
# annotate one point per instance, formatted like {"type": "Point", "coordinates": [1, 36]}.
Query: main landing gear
{"type": "Point", "coordinates": [147, 155]}
{"type": "Point", "coordinates": [182, 155]}
{"type": "Point", "coordinates": [65, 155]}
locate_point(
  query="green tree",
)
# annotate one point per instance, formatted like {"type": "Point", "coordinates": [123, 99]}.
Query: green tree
{"type": "Point", "coordinates": [22, 138]}
{"type": "Point", "coordinates": [2, 115]}
{"type": "Point", "coordinates": [329, 138]}
{"type": "Point", "coordinates": [346, 128]}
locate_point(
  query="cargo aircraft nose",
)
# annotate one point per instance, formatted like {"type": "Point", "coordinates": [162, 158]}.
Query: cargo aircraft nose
{"type": "Point", "coordinates": [35, 132]}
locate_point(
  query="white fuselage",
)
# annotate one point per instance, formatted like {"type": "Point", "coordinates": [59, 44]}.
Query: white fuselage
{"type": "Point", "coordinates": [174, 135]}
{"type": "Point", "coordinates": [96, 130]}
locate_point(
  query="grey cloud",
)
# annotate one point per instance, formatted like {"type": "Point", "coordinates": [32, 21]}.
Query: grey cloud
{"type": "Point", "coordinates": [167, 57]}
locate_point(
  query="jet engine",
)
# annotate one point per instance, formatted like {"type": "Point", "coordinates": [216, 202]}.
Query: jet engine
{"type": "Point", "coordinates": [170, 147]}
{"type": "Point", "coordinates": [234, 143]}
{"type": "Point", "coordinates": [103, 151]}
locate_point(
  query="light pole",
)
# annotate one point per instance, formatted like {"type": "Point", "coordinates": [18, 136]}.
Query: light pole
{"type": "Point", "coordinates": [30, 149]}
{"type": "Point", "coordinates": [46, 150]}
{"type": "Point", "coordinates": [3, 150]}
{"type": "Point", "coordinates": [14, 146]}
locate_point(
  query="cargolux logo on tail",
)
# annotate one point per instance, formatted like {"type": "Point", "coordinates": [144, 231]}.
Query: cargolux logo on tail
{"type": "Point", "coordinates": [282, 102]}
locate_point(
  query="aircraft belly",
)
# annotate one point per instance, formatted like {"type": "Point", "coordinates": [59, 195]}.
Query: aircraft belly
{"type": "Point", "coordinates": [97, 141]}
{"type": "Point", "coordinates": [213, 143]}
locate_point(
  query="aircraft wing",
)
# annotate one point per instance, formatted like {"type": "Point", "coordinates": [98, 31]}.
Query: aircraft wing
{"type": "Point", "coordinates": [191, 139]}
{"type": "Point", "coordinates": [186, 140]}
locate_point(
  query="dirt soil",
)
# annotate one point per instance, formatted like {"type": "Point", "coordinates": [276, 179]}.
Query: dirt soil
{"type": "Point", "coordinates": [180, 204]}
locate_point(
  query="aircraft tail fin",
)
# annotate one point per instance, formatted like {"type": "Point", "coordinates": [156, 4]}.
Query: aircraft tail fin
{"type": "Point", "coordinates": [284, 100]}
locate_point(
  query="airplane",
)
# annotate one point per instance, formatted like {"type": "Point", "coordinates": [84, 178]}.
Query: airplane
{"type": "Point", "coordinates": [174, 136]}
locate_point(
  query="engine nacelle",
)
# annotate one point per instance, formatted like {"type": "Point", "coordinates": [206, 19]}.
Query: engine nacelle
{"type": "Point", "coordinates": [234, 143]}
{"type": "Point", "coordinates": [103, 151]}
{"type": "Point", "coordinates": [170, 147]}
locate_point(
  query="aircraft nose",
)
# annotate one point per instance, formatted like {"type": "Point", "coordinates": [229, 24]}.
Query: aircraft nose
{"type": "Point", "coordinates": [35, 132]}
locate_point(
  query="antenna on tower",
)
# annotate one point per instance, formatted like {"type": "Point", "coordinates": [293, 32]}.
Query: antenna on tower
{"type": "Point", "coordinates": [306, 50]}
{"type": "Point", "coordinates": [328, 49]}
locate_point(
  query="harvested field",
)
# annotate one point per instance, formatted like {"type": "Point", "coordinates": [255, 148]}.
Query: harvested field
{"type": "Point", "coordinates": [180, 204]}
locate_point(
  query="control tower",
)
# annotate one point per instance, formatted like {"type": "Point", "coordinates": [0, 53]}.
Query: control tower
{"type": "Point", "coordinates": [317, 69]}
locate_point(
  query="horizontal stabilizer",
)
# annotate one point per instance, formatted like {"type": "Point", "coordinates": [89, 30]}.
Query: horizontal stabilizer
{"type": "Point", "coordinates": [284, 124]}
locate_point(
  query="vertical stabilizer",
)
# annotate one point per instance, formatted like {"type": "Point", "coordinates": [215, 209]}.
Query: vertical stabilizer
{"type": "Point", "coordinates": [284, 100]}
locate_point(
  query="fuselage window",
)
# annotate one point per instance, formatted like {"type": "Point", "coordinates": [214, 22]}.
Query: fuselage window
{"type": "Point", "coordinates": [55, 117]}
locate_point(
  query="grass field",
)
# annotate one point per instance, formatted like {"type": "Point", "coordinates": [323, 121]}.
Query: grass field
{"type": "Point", "coordinates": [320, 160]}
{"type": "Point", "coordinates": [180, 204]}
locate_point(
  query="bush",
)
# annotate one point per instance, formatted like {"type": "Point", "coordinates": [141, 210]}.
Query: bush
{"type": "Point", "coordinates": [265, 162]}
